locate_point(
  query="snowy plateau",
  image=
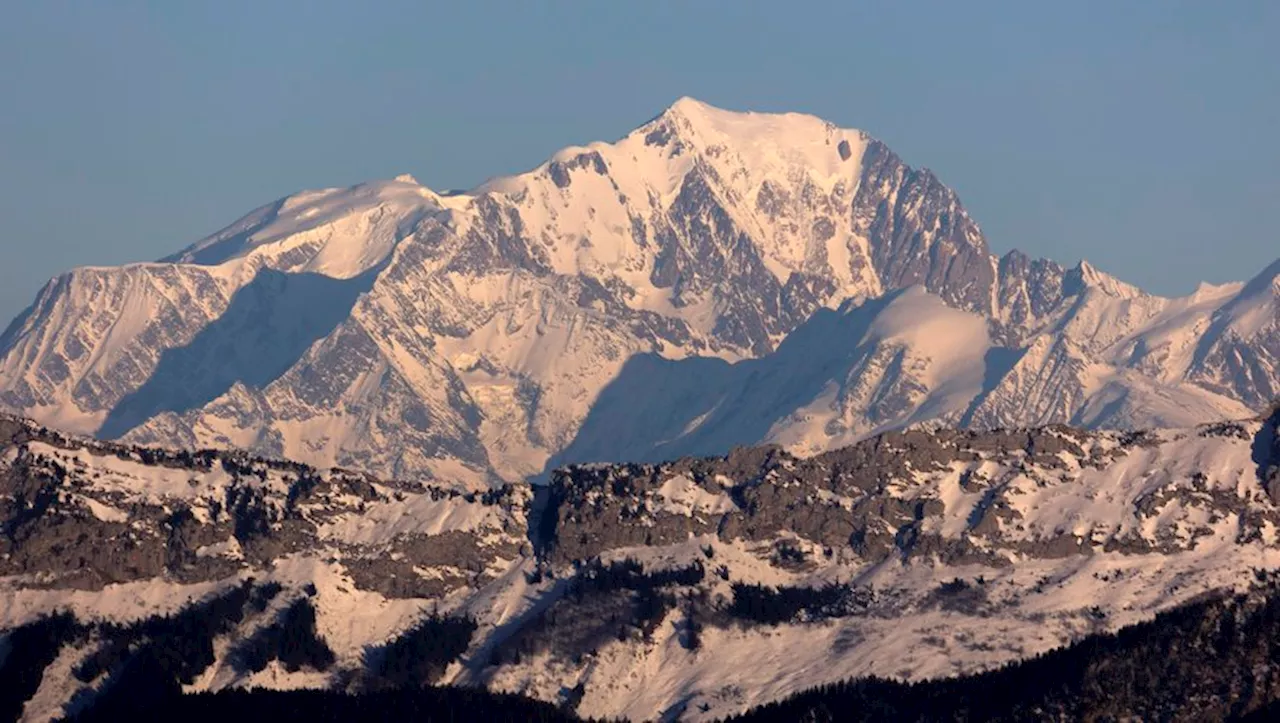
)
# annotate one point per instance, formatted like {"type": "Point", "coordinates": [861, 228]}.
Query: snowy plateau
{"type": "Point", "coordinates": [736, 387]}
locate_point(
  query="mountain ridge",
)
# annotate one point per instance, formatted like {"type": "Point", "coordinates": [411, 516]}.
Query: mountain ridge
{"type": "Point", "coordinates": [492, 320]}
{"type": "Point", "coordinates": [623, 590]}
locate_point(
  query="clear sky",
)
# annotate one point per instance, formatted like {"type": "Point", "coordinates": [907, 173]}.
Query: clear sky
{"type": "Point", "coordinates": [1140, 135]}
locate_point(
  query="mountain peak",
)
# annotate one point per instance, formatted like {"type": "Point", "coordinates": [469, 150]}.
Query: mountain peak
{"type": "Point", "coordinates": [1269, 278]}
{"type": "Point", "coordinates": [744, 145]}
{"type": "Point", "coordinates": [687, 110]}
{"type": "Point", "coordinates": [1085, 274]}
{"type": "Point", "coordinates": [688, 105]}
{"type": "Point", "coordinates": [473, 336]}
{"type": "Point", "coordinates": [712, 123]}
{"type": "Point", "coordinates": [339, 232]}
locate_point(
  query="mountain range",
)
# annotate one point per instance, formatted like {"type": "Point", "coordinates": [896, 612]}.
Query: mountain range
{"type": "Point", "coordinates": [736, 407]}
{"type": "Point", "coordinates": [712, 279]}
{"type": "Point", "coordinates": [691, 589]}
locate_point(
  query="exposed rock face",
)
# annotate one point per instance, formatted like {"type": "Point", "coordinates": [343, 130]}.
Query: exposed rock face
{"type": "Point", "coordinates": [468, 337]}
{"type": "Point", "coordinates": [956, 497]}
{"type": "Point", "coordinates": [1241, 353]}
{"type": "Point", "coordinates": [1266, 453]}
{"type": "Point", "coordinates": [920, 234]}
{"type": "Point", "coordinates": [630, 589]}
{"type": "Point", "coordinates": [921, 550]}
{"type": "Point", "coordinates": [84, 515]}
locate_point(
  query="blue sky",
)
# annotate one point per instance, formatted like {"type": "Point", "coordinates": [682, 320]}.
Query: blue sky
{"type": "Point", "coordinates": [1144, 136]}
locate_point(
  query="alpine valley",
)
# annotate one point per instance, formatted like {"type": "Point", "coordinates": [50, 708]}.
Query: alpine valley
{"type": "Point", "coordinates": [667, 428]}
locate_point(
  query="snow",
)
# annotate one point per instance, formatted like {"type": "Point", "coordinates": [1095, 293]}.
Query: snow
{"type": "Point", "coordinates": [66, 417]}
{"type": "Point", "coordinates": [953, 341]}
{"type": "Point", "coordinates": [103, 512]}
{"type": "Point", "coordinates": [1108, 284]}
{"type": "Point", "coordinates": [349, 619]}
{"type": "Point", "coordinates": [417, 514]}
{"type": "Point", "coordinates": [351, 229]}
{"type": "Point", "coordinates": [1035, 605]}
{"type": "Point", "coordinates": [746, 151]}
{"type": "Point", "coordinates": [635, 680]}
{"type": "Point", "coordinates": [771, 142]}
{"type": "Point", "coordinates": [518, 344]}
{"type": "Point", "coordinates": [229, 547]}
{"type": "Point", "coordinates": [122, 602]}
{"type": "Point", "coordinates": [683, 496]}
{"type": "Point", "coordinates": [916, 339]}
{"type": "Point", "coordinates": [133, 479]}
{"type": "Point", "coordinates": [534, 354]}
{"type": "Point", "coordinates": [1157, 493]}
{"type": "Point", "coordinates": [52, 695]}
{"type": "Point", "coordinates": [1258, 304]}
{"type": "Point", "coordinates": [1170, 337]}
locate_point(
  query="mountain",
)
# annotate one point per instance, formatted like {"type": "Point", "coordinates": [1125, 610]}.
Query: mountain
{"type": "Point", "coordinates": [739, 277]}
{"type": "Point", "coordinates": [1210, 660]}
{"type": "Point", "coordinates": [1207, 660]}
{"type": "Point", "coordinates": [698, 587]}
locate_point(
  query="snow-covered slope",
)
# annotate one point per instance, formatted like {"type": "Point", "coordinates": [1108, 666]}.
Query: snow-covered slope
{"type": "Point", "coordinates": [644, 587]}
{"type": "Point", "coordinates": [841, 375]}
{"type": "Point", "coordinates": [471, 336]}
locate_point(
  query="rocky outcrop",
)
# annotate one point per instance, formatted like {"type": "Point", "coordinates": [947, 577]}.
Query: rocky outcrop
{"type": "Point", "coordinates": [82, 514]}
{"type": "Point", "coordinates": [954, 497]}
{"type": "Point", "coordinates": [626, 590]}
{"type": "Point", "coordinates": [1266, 452]}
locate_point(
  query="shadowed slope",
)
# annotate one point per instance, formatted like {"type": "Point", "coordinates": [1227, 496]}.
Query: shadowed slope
{"type": "Point", "coordinates": [267, 327]}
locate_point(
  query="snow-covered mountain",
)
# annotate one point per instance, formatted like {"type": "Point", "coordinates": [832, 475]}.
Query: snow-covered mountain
{"type": "Point", "coordinates": [693, 588]}
{"type": "Point", "coordinates": [713, 278]}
